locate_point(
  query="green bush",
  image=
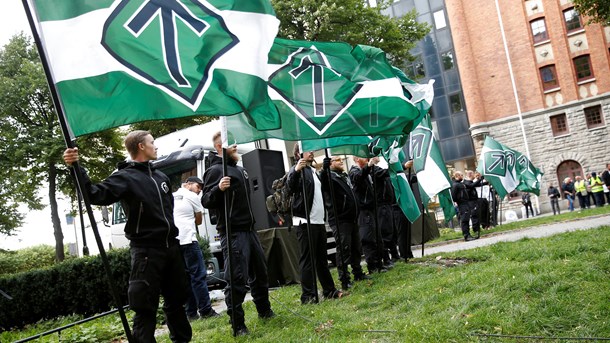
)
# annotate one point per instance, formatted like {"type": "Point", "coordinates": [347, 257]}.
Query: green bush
{"type": "Point", "coordinates": [38, 257]}
{"type": "Point", "coordinates": [77, 286]}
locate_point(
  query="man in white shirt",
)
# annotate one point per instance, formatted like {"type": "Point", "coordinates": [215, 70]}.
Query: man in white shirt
{"type": "Point", "coordinates": [187, 215]}
{"type": "Point", "coordinates": [312, 202]}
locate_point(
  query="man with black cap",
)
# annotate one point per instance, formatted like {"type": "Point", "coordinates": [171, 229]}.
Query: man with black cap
{"type": "Point", "coordinates": [187, 215]}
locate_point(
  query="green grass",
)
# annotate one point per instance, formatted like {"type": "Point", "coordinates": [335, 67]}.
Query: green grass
{"type": "Point", "coordinates": [448, 234]}
{"type": "Point", "coordinates": [553, 287]}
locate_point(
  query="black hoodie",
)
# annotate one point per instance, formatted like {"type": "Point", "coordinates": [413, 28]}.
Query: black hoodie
{"type": "Point", "coordinates": [147, 200]}
{"type": "Point", "coordinates": [240, 211]}
{"type": "Point", "coordinates": [345, 200]}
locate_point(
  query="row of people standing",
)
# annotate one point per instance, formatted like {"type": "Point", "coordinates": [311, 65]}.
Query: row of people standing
{"type": "Point", "coordinates": [589, 190]}
{"type": "Point", "coordinates": [466, 198]}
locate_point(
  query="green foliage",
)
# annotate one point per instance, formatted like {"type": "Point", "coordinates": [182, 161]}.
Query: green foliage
{"type": "Point", "coordinates": [204, 245]}
{"type": "Point", "coordinates": [160, 128]}
{"type": "Point", "coordinates": [31, 143]}
{"type": "Point", "coordinates": [24, 260]}
{"type": "Point", "coordinates": [77, 286]}
{"type": "Point", "coordinates": [350, 21]}
{"type": "Point", "coordinates": [598, 11]}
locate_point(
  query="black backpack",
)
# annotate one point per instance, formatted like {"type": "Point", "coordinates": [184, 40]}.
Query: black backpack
{"type": "Point", "coordinates": [280, 202]}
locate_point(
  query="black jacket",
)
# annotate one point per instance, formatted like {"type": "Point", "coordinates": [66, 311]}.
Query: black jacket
{"type": "Point", "coordinates": [240, 211]}
{"type": "Point", "coordinates": [471, 188]}
{"type": "Point", "coordinates": [553, 193]}
{"type": "Point", "coordinates": [147, 200]}
{"type": "Point", "coordinates": [362, 186]}
{"type": "Point", "coordinates": [295, 188]}
{"type": "Point", "coordinates": [383, 186]}
{"type": "Point", "coordinates": [345, 200]}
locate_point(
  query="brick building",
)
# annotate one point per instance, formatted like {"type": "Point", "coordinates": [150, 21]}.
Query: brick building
{"type": "Point", "coordinates": [561, 70]}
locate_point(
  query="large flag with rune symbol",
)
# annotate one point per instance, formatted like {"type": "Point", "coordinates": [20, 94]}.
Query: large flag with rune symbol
{"type": "Point", "coordinates": [116, 62]}
{"type": "Point", "coordinates": [325, 90]}
{"type": "Point", "coordinates": [507, 169]}
{"type": "Point", "coordinates": [433, 178]}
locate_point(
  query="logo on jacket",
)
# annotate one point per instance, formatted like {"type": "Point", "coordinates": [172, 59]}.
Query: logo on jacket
{"type": "Point", "coordinates": [164, 187]}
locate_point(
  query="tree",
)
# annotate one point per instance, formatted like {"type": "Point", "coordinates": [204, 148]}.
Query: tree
{"type": "Point", "coordinates": [160, 128]}
{"type": "Point", "coordinates": [32, 143]}
{"type": "Point", "coordinates": [597, 10]}
{"type": "Point", "coordinates": [353, 22]}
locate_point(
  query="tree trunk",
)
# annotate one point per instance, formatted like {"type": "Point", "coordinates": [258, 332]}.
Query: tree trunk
{"type": "Point", "coordinates": [59, 236]}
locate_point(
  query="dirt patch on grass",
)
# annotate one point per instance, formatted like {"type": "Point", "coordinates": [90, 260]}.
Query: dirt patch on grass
{"type": "Point", "coordinates": [439, 261]}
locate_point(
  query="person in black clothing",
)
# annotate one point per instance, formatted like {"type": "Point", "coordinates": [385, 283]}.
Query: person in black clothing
{"type": "Point", "coordinates": [157, 267]}
{"type": "Point", "coordinates": [554, 196]}
{"type": "Point", "coordinates": [527, 202]}
{"type": "Point", "coordinates": [345, 222]}
{"type": "Point", "coordinates": [385, 213]}
{"type": "Point", "coordinates": [401, 223]}
{"type": "Point", "coordinates": [248, 260]}
{"type": "Point", "coordinates": [462, 193]}
{"type": "Point", "coordinates": [360, 176]}
{"type": "Point", "coordinates": [606, 178]}
{"type": "Point", "coordinates": [309, 202]}
{"type": "Point", "coordinates": [472, 183]}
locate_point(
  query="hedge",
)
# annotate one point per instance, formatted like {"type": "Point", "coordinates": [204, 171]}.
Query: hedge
{"type": "Point", "coordinates": [77, 286]}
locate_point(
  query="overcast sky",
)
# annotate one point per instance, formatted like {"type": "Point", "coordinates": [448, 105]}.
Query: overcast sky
{"type": "Point", "coordinates": [12, 20]}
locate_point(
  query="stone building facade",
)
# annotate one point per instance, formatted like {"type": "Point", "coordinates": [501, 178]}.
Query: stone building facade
{"type": "Point", "coordinates": [561, 72]}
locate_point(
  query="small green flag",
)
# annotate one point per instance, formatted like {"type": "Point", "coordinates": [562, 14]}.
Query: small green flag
{"type": "Point", "coordinates": [118, 62]}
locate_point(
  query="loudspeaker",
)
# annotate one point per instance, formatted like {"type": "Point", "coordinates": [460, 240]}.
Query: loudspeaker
{"type": "Point", "coordinates": [263, 167]}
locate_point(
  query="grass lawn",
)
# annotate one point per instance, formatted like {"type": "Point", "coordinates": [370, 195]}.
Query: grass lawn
{"type": "Point", "coordinates": [553, 287]}
{"type": "Point", "coordinates": [448, 234]}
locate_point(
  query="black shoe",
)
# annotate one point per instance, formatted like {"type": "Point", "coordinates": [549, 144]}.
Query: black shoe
{"type": "Point", "coordinates": [267, 314]}
{"type": "Point", "coordinates": [210, 314]}
{"type": "Point", "coordinates": [362, 277]}
{"type": "Point", "coordinates": [193, 318]}
{"type": "Point", "coordinates": [336, 294]}
{"type": "Point", "coordinates": [469, 238]}
{"type": "Point", "coordinates": [388, 265]}
{"type": "Point", "coordinates": [308, 301]}
{"type": "Point", "coordinates": [242, 331]}
{"type": "Point", "coordinates": [345, 286]}
{"type": "Point", "coordinates": [478, 234]}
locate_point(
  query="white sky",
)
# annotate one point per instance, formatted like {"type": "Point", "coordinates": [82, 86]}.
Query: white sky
{"type": "Point", "coordinates": [37, 228]}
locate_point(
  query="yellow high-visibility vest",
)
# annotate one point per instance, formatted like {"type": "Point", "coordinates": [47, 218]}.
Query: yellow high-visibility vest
{"type": "Point", "coordinates": [596, 185]}
{"type": "Point", "coordinates": [580, 186]}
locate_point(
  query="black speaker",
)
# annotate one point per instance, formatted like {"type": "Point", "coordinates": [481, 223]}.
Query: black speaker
{"type": "Point", "coordinates": [263, 167]}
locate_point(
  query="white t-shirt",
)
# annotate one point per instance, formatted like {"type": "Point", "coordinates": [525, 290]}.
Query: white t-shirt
{"type": "Point", "coordinates": [316, 216]}
{"type": "Point", "coordinates": [186, 204]}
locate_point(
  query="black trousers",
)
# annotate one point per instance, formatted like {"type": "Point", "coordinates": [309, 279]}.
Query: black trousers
{"type": "Point", "coordinates": [555, 205]}
{"type": "Point", "coordinates": [349, 250]}
{"type": "Point", "coordinates": [468, 212]}
{"type": "Point", "coordinates": [158, 271]}
{"type": "Point", "coordinates": [249, 267]}
{"type": "Point", "coordinates": [404, 233]}
{"type": "Point", "coordinates": [320, 257]}
{"type": "Point", "coordinates": [483, 211]}
{"type": "Point", "coordinates": [369, 239]}
{"type": "Point", "coordinates": [385, 220]}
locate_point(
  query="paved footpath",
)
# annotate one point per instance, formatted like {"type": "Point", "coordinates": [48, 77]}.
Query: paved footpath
{"type": "Point", "coordinates": [515, 235]}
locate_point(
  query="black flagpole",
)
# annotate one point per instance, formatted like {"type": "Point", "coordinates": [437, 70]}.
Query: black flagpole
{"type": "Point", "coordinates": [82, 223]}
{"type": "Point", "coordinates": [76, 171]}
{"type": "Point", "coordinates": [229, 244]}
{"type": "Point", "coordinates": [334, 205]}
{"type": "Point", "coordinates": [423, 226]}
{"type": "Point", "coordinates": [310, 242]}
{"type": "Point", "coordinates": [378, 238]}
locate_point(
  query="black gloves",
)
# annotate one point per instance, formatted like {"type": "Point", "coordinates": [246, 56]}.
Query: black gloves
{"type": "Point", "coordinates": [326, 163]}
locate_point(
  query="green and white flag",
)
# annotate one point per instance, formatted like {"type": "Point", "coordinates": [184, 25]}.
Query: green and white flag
{"type": "Point", "coordinates": [116, 62]}
{"type": "Point", "coordinates": [432, 175]}
{"type": "Point", "coordinates": [325, 90]}
{"type": "Point", "coordinates": [507, 169]}
{"type": "Point", "coordinates": [391, 148]}
{"type": "Point", "coordinates": [529, 176]}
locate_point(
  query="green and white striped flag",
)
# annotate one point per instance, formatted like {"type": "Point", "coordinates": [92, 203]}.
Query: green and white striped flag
{"type": "Point", "coordinates": [432, 176]}
{"type": "Point", "coordinates": [116, 62]}
{"type": "Point", "coordinates": [498, 164]}
{"type": "Point", "coordinates": [529, 176]}
{"type": "Point", "coordinates": [326, 90]}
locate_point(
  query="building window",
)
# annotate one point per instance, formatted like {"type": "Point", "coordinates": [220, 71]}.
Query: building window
{"type": "Point", "coordinates": [582, 67]}
{"type": "Point", "coordinates": [549, 77]}
{"type": "Point", "coordinates": [594, 116]}
{"type": "Point", "coordinates": [539, 30]}
{"type": "Point", "coordinates": [572, 20]}
{"type": "Point", "coordinates": [559, 124]}
{"type": "Point", "coordinates": [455, 101]}
{"type": "Point", "coordinates": [415, 70]}
{"type": "Point", "coordinates": [439, 19]}
{"type": "Point", "coordinates": [447, 59]}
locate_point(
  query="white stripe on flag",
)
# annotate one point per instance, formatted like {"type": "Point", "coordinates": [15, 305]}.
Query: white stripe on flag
{"type": "Point", "coordinates": [74, 49]}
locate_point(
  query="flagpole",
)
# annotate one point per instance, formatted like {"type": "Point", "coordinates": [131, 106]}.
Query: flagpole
{"type": "Point", "coordinates": [228, 232]}
{"type": "Point", "coordinates": [339, 244]}
{"type": "Point", "coordinates": [76, 171]}
{"type": "Point", "coordinates": [378, 238]}
{"type": "Point", "coordinates": [514, 86]}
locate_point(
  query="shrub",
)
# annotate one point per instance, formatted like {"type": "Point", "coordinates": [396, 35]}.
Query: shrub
{"type": "Point", "coordinates": [77, 286]}
{"type": "Point", "coordinates": [38, 257]}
